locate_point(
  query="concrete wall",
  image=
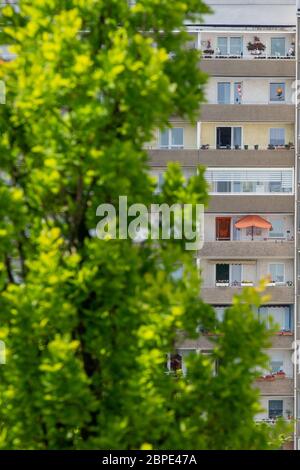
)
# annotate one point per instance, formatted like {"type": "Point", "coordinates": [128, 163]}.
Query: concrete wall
{"type": "Point", "coordinates": [278, 12]}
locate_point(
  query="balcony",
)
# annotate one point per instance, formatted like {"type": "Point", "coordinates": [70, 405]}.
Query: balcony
{"type": "Point", "coordinates": [257, 204]}
{"type": "Point", "coordinates": [223, 295]}
{"type": "Point", "coordinates": [247, 249]}
{"type": "Point", "coordinates": [249, 67]}
{"type": "Point", "coordinates": [221, 157]}
{"type": "Point", "coordinates": [248, 113]}
{"type": "Point", "coordinates": [275, 386]}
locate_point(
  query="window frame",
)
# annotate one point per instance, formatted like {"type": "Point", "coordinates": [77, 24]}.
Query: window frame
{"type": "Point", "coordinates": [269, 272]}
{"type": "Point", "coordinates": [170, 145]}
{"type": "Point", "coordinates": [276, 38]}
{"type": "Point", "coordinates": [277, 128]}
{"type": "Point", "coordinates": [276, 415]}
{"type": "Point", "coordinates": [232, 135]}
{"type": "Point", "coordinates": [284, 92]}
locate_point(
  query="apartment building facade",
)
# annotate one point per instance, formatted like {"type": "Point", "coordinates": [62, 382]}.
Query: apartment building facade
{"type": "Point", "coordinates": [247, 136]}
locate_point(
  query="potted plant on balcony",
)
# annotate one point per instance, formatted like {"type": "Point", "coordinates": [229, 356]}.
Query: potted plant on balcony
{"type": "Point", "coordinates": [247, 283]}
{"type": "Point", "coordinates": [271, 147]}
{"type": "Point", "coordinates": [222, 283]}
{"type": "Point", "coordinates": [280, 374]}
{"type": "Point", "coordinates": [270, 377]}
{"type": "Point", "coordinates": [246, 147]}
{"type": "Point", "coordinates": [205, 147]}
{"type": "Point", "coordinates": [256, 47]}
{"type": "Point", "coordinates": [289, 414]}
{"type": "Point", "coordinates": [291, 51]}
{"type": "Point", "coordinates": [208, 49]}
{"type": "Point", "coordinates": [256, 147]}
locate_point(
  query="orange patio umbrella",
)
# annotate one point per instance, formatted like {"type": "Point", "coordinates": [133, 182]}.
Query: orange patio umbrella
{"type": "Point", "coordinates": [253, 221]}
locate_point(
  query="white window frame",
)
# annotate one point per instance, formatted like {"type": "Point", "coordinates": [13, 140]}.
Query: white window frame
{"type": "Point", "coordinates": [270, 231]}
{"type": "Point", "coordinates": [285, 43]}
{"type": "Point", "coordinates": [170, 146]}
{"type": "Point", "coordinates": [285, 89]}
{"type": "Point", "coordinates": [277, 128]}
{"type": "Point", "coordinates": [228, 38]}
{"type": "Point", "coordinates": [230, 272]}
{"type": "Point", "coordinates": [276, 264]}
{"type": "Point", "coordinates": [232, 127]}
{"type": "Point", "coordinates": [230, 91]}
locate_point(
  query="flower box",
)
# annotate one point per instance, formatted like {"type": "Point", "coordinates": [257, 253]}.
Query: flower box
{"type": "Point", "coordinates": [280, 375]}
{"type": "Point", "coordinates": [269, 378]}
{"type": "Point", "coordinates": [246, 283]}
{"type": "Point", "coordinates": [222, 284]}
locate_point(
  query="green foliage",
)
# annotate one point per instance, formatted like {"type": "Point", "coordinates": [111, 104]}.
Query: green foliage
{"type": "Point", "coordinates": [87, 323]}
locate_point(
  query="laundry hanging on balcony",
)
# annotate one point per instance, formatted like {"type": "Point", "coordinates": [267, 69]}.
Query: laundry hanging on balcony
{"type": "Point", "coordinates": [253, 221]}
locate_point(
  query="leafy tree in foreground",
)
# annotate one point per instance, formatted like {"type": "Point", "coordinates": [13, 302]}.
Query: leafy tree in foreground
{"type": "Point", "coordinates": [88, 322]}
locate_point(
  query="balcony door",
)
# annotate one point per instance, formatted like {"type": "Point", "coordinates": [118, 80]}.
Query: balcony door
{"type": "Point", "coordinates": [224, 137]}
{"type": "Point", "coordinates": [229, 273]}
{"type": "Point", "coordinates": [223, 228]}
{"type": "Point", "coordinates": [228, 137]}
{"type": "Point", "coordinates": [222, 273]}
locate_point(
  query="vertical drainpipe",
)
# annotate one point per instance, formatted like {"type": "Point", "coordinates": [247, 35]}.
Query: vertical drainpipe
{"type": "Point", "coordinates": [198, 135]}
{"type": "Point", "coordinates": [296, 223]}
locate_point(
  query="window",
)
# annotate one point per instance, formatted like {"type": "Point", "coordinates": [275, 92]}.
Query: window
{"type": "Point", "coordinates": [223, 187]}
{"type": "Point", "coordinates": [278, 47]}
{"type": "Point", "coordinates": [171, 138]}
{"type": "Point", "coordinates": [229, 273]}
{"type": "Point", "coordinates": [276, 366]}
{"type": "Point", "coordinates": [277, 272]}
{"type": "Point", "coordinates": [220, 311]}
{"type": "Point", "coordinates": [277, 92]}
{"type": "Point", "coordinates": [281, 315]}
{"type": "Point", "coordinates": [277, 136]}
{"type": "Point", "coordinates": [223, 225]}
{"type": "Point", "coordinates": [277, 230]}
{"type": "Point", "coordinates": [249, 180]}
{"type": "Point", "coordinates": [237, 136]}
{"type": "Point", "coordinates": [222, 45]}
{"type": "Point", "coordinates": [233, 45]}
{"type": "Point", "coordinates": [275, 409]}
{"type": "Point", "coordinates": [222, 273]}
{"type": "Point", "coordinates": [224, 137]}
{"type": "Point", "coordinates": [236, 274]}
{"type": "Point", "coordinates": [228, 137]}
{"type": "Point", "coordinates": [224, 93]}
{"type": "Point", "coordinates": [236, 46]}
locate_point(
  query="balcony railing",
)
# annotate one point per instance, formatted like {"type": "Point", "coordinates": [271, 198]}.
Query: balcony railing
{"type": "Point", "coordinates": [246, 56]}
{"type": "Point", "coordinates": [208, 147]}
{"type": "Point", "coordinates": [251, 283]}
